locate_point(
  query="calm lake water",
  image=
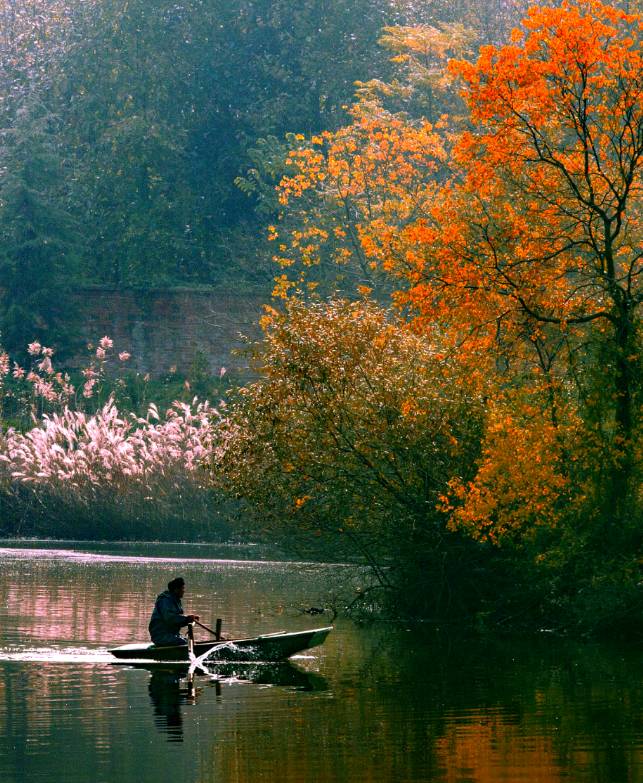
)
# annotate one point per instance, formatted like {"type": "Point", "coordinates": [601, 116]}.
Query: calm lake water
{"type": "Point", "coordinates": [373, 704]}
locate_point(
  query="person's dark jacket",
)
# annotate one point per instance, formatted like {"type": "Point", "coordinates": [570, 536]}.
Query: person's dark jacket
{"type": "Point", "coordinates": [167, 618]}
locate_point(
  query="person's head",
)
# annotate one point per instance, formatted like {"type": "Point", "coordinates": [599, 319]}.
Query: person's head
{"type": "Point", "coordinates": [177, 586]}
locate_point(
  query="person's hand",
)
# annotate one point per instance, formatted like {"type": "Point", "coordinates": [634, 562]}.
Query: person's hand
{"type": "Point", "coordinates": [192, 617]}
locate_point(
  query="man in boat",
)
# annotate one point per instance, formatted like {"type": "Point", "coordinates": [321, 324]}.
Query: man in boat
{"type": "Point", "coordinates": [168, 618]}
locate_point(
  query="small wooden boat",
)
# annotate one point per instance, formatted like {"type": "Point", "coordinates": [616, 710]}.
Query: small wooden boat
{"type": "Point", "coordinates": [269, 647]}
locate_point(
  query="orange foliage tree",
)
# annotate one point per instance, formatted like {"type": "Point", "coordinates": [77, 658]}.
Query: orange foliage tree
{"type": "Point", "coordinates": [515, 244]}
{"type": "Point", "coordinates": [548, 209]}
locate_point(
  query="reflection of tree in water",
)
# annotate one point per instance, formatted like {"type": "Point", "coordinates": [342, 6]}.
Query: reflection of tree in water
{"type": "Point", "coordinates": [421, 705]}
{"type": "Point", "coordinates": [479, 705]}
{"type": "Point", "coordinates": [168, 694]}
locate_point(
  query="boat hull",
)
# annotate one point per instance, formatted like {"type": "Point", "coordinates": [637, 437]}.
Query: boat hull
{"type": "Point", "coordinates": [270, 647]}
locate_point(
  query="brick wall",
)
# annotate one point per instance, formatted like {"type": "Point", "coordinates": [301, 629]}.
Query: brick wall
{"type": "Point", "coordinates": [162, 328]}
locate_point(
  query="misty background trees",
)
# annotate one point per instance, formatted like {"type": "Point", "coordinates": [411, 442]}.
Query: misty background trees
{"type": "Point", "coordinates": [125, 125]}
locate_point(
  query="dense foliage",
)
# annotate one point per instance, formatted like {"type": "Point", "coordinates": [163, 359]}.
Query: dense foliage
{"type": "Point", "coordinates": [348, 441]}
{"type": "Point", "coordinates": [508, 235]}
{"type": "Point", "coordinates": [125, 126]}
{"type": "Point", "coordinates": [452, 390]}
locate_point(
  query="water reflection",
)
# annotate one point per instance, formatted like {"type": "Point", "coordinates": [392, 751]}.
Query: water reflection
{"type": "Point", "coordinates": [167, 693]}
{"type": "Point", "coordinates": [373, 704]}
{"type": "Point", "coordinates": [170, 688]}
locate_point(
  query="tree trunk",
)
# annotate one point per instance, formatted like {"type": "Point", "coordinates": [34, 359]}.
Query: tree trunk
{"type": "Point", "coordinates": [620, 498]}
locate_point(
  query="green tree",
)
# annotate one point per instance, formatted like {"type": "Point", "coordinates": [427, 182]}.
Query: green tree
{"type": "Point", "coordinates": [162, 106]}
{"type": "Point", "coordinates": [38, 238]}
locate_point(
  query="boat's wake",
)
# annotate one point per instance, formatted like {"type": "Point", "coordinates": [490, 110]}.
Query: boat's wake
{"type": "Point", "coordinates": [56, 655]}
{"type": "Point", "coordinates": [281, 673]}
{"type": "Point", "coordinates": [199, 662]}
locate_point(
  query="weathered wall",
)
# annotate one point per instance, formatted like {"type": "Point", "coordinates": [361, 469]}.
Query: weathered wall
{"type": "Point", "coordinates": [164, 328]}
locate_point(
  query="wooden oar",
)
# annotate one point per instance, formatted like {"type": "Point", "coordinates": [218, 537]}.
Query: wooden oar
{"type": "Point", "coordinates": [191, 641]}
{"type": "Point", "coordinates": [216, 633]}
{"type": "Point", "coordinates": [195, 663]}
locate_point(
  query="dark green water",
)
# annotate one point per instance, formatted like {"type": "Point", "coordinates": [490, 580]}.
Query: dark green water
{"type": "Point", "coordinates": [372, 704]}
